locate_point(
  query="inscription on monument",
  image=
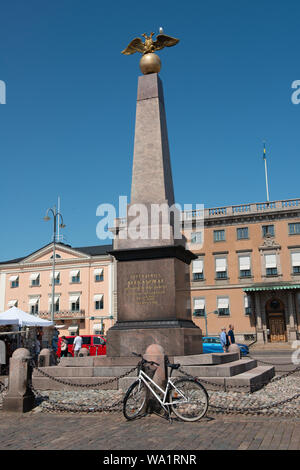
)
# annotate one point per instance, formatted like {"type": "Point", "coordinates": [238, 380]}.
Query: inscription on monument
{"type": "Point", "coordinates": [146, 289]}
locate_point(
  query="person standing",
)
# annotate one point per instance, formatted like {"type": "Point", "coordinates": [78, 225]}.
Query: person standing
{"type": "Point", "coordinates": [64, 347]}
{"type": "Point", "coordinates": [231, 335]}
{"type": "Point", "coordinates": [223, 339]}
{"type": "Point", "coordinates": [77, 344]}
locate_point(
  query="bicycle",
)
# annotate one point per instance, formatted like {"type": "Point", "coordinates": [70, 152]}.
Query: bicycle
{"type": "Point", "coordinates": [186, 397]}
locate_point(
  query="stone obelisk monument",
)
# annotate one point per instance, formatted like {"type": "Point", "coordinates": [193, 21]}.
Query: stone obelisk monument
{"type": "Point", "coordinates": [153, 269]}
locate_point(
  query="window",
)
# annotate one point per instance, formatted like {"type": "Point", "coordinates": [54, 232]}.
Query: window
{"type": "Point", "coordinates": [271, 265]}
{"type": "Point", "coordinates": [56, 303]}
{"type": "Point", "coordinates": [196, 237]}
{"type": "Point", "coordinates": [198, 270]}
{"type": "Point", "coordinates": [98, 273]}
{"type": "Point", "coordinates": [75, 307]}
{"type": "Point", "coordinates": [35, 309]}
{"type": "Point", "coordinates": [247, 304]}
{"type": "Point", "coordinates": [98, 300]}
{"type": "Point", "coordinates": [99, 341]}
{"type": "Point", "coordinates": [223, 306]}
{"type": "Point", "coordinates": [75, 277]}
{"type": "Point", "coordinates": [242, 233]}
{"type": "Point", "coordinates": [294, 229]}
{"type": "Point", "coordinates": [35, 279]}
{"type": "Point", "coordinates": [86, 340]}
{"type": "Point", "coordinates": [268, 230]}
{"type": "Point", "coordinates": [14, 281]}
{"type": "Point", "coordinates": [56, 277]}
{"type": "Point", "coordinates": [12, 303]}
{"type": "Point", "coordinates": [219, 235]}
{"type": "Point", "coordinates": [199, 307]}
{"type": "Point", "coordinates": [244, 263]}
{"type": "Point", "coordinates": [75, 303]}
{"type": "Point", "coordinates": [221, 268]}
{"type": "Point", "coordinates": [296, 263]}
{"type": "Point", "coordinates": [34, 305]}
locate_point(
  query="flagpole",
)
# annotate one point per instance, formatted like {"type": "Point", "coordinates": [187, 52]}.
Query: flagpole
{"type": "Point", "coordinates": [266, 173]}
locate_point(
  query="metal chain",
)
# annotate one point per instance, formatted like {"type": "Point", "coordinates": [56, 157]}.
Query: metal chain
{"type": "Point", "coordinates": [94, 385]}
{"type": "Point", "coordinates": [80, 407]}
{"type": "Point", "coordinates": [4, 387]}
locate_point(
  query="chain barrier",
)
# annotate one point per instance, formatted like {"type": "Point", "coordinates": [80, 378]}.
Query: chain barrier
{"type": "Point", "coordinates": [75, 408]}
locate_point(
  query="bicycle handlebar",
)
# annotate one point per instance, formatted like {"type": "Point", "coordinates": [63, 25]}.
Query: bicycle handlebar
{"type": "Point", "coordinates": [145, 360]}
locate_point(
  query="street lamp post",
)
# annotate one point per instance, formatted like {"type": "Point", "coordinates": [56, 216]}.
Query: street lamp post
{"type": "Point", "coordinates": [56, 215]}
{"type": "Point", "coordinates": [205, 316]}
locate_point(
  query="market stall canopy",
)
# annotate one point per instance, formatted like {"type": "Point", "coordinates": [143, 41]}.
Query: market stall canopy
{"type": "Point", "coordinates": [15, 316]}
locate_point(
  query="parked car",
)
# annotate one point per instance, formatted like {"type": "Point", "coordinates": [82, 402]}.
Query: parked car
{"type": "Point", "coordinates": [212, 344]}
{"type": "Point", "coordinates": [96, 344]}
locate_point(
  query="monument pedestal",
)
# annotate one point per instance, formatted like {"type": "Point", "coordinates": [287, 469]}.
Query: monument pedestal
{"type": "Point", "coordinates": [153, 306]}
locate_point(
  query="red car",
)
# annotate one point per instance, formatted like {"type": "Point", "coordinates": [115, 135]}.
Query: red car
{"type": "Point", "coordinates": [96, 344]}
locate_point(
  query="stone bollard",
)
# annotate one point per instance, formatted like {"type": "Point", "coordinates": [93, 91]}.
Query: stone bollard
{"type": "Point", "coordinates": [44, 359]}
{"type": "Point", "coordinates": [84, 352]}
{"type": "Point", "coordinates": [20, 397]}
{"type": "Point", "coordinates": [233, 348]}
{"type": "Point", "coordinates": [155, 352]}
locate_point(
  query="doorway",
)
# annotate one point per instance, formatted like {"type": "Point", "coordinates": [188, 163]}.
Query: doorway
{"type": "Point", "coordinates": [276, 321]}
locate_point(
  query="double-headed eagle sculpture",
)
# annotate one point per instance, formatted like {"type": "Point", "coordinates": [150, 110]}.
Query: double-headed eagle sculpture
{"type": "Point", "coordinates": [150, 62]}
{"type": "Point", "coordinates": [137, 45]}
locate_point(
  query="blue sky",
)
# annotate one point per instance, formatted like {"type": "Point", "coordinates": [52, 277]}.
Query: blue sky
{"type": "Point", "coordinates": [68, 126]}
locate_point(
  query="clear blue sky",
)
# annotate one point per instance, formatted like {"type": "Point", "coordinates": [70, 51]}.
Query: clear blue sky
{"type": "Point", "coordinates": [68, 126]}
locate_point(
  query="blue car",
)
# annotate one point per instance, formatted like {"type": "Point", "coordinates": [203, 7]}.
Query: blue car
{"type": "Point", "coordinates": [212, 344]}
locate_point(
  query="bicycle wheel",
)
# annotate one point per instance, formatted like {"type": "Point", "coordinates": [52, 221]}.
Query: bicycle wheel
{"type": "Point", "coordinates": [134, 400]}
{"type": "Point", "coordinates": [189, 399]}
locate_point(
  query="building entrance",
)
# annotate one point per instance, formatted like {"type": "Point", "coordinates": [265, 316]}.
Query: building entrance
{"type": "Point", "coordinates": [276, 321]}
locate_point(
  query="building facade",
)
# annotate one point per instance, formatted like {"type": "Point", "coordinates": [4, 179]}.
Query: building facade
{"type": "Point", "coordinates": [247, 273]}
{"type": "Point", "coordinates": [83, 281]}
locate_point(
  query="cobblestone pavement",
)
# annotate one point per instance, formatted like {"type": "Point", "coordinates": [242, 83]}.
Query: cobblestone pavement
{"type": "Point", "coordinates": [110, 431]}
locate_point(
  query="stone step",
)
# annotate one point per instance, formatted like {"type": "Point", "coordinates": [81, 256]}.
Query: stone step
{"type": "Point", "coordinates": [95, 361]}
{"type": "Point", "coordinates": [45, 383]}
{"type": "Point", "coordinates": [206, 359]}
{"type": "Point", "coordinates": [221, 370]}
{"type": "Point", "coordinates": [251, 380]}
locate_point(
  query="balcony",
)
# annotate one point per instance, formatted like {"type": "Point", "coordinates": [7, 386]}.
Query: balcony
{"type": "Point", "coordinates": [63, 315]}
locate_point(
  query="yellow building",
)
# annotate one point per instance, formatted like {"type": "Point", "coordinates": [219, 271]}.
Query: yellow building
{"type": "Point", "coordinates": [247, 270]}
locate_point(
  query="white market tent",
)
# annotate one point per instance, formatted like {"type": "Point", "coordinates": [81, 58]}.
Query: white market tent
{"type": "Point", "coordinates": [15, 316]}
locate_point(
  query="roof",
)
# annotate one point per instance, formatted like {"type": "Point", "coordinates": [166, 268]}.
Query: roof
{"type": "Point", "coordinates": [95, 250]}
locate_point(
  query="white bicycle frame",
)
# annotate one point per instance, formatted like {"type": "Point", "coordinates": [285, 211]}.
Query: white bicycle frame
{"type": "Point", "coordinates": [146, 379]}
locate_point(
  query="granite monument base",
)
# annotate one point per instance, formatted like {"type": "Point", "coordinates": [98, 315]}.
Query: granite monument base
{"type": "Point", "coordinates": [176, 341]}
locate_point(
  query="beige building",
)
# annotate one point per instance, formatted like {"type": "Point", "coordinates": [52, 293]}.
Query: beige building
{"type": "Point", "coordinates": [247, 273]}
{"type": "Point", "coordinates": [84, 282]}
{"type": "Point", "coordinates": [247, 270]}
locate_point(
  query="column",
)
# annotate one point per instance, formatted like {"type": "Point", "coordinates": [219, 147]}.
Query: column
{"type": "Point", "coordinates": [292, 335]}
{"type": "Point", "coordinates": [259, 329]}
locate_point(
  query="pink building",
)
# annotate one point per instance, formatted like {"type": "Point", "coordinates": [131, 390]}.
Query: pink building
{"type": "Point", "coordinates": [84, 286]}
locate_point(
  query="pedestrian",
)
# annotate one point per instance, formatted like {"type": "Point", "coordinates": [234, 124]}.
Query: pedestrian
{"type": "Point", "coordinates": [77, 344]}
{"type": "Point", "coordinates": [223, 339]}
{"type": "Point", "coordinates": [64, 347]}
{"type": "Point", "coordinates": [55, 340]}
{"type": "Point", "coordinates": [231, 335]}
{"type": "Point", "coordinates": [2, 355]}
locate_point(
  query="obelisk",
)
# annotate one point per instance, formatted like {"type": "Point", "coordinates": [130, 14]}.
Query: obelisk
{"type": "Point", "coordinates": [152, 271]}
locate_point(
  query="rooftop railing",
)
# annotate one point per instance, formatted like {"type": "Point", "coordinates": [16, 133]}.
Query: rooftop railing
{"type": "Point", "coordinates": [258, 207]}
